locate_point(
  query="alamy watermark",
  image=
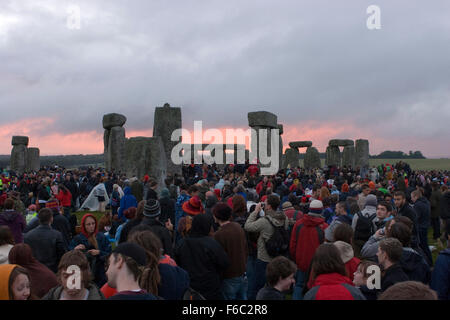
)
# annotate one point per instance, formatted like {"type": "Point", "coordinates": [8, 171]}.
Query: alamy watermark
{"type": "Point", "coordinates": [264, 147]}
{"type": "Point", "coordinates": [374, 20]}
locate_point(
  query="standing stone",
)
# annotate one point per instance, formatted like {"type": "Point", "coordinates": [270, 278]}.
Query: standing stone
{"type": "Point", "coordinates": [348, 156]}
{"type": "Point", "coordinates": [292, 157]}
{"type": "Point", "coordinates": [114, 141]}
{"type": "Point", "coordinates": [116, 149]}
{"type": "Point", "coordinates": [280, 145]}
{"type": "Point", "coordinates": [19, 154]}
{"type": "Point", "coordinates": [312, 159]}
{"type": "Point", "coordinates": [362, 153]}
{"type": "Point", "coordinates": [259, 121]}
{"type": "Point", "coordinates": [33, 159]}
{"type": "Point", "coordinates": [168, 119]}
{"type": "Point", "coordinates": [146, 156]}
{"type": "Point", "coordinates": [333, 156]}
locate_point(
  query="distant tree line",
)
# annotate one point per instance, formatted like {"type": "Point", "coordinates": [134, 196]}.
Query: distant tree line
{"type": "Point", "coordinates": [69, 161]}
{"type": "Point", "coordinates": [399, 155]}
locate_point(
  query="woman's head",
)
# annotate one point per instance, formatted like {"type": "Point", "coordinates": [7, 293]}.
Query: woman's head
{"type": "Point", "coordinates": [14, 282]}
{"type": "Point", "coordinates": [239, 205]}
{"type": "Point", "coordinates": [89, 225]}
{"type": "Point", "coordinates": [72, 263]}
{"type": "Point", "coordinates": [361, 274]}
{"type": "Point", "coordinates": [327, 259]}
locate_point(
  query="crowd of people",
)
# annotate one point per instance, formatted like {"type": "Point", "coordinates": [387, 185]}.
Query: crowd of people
{"type": "Point", "coordinates": [229, 233]}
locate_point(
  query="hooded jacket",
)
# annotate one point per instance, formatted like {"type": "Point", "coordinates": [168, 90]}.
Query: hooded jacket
{"type": "Point", "coordinates": [445, 205]}
{"type": "Point", "coordinates": [329, 232]}
{"type": "Point", "coordinates": [265, 229]}
{"type": "Point", "coordinates": [4, 252]}
{"type": "Point", "coordinates": [369, 211]}
{"type": "Point", "coordinates": [82, 238]}
{"type": "Point", "coordinates": [423, 209]}
{"type": "Point", "coordinates": [94, 293]}
{"type": "Point", "coordinates": [16, 222]}
{"type": "Point", "coordinates": [348, 257]}
{"type": "Point", "coordinates": [42, 278]}
{"type": "Point", "coordinates": [203, 258]}
{"type": "Point", "coordinates": [415, 266]}
{"type": "Point", "coordinates": [440, 281]}
{"type": "Point", "coordinates": [333, 286]}
{"type": "Point", "coordinates": [5, 274]}
{"type": "Point", "coordinates": [306, 237]}
{"type": "Point", "coordinates": [392, 275]}
{"type": "Point", "coordinates": [127, 201]}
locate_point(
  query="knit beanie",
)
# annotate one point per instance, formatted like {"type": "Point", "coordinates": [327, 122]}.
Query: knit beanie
{"type": "Point", "coordinates": [152, 208]}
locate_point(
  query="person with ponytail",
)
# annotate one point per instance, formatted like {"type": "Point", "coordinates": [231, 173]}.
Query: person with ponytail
{"type": "Point", "coordinates": [95, 245]}
{"type": "Point", "coordinates": [160, 277]}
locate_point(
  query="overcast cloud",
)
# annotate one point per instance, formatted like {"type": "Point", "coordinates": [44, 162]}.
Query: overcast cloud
{"type": "Point", "coordinates": [313, 63]}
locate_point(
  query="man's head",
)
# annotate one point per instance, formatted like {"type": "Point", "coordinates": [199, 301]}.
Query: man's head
{"type": "Point", "coordinates": [408, 290]}
{"type": "Point", "coordinates": [399, 199]}
{"type": "Point", "coordinates": [221, 212]}
{"type": "Point", "coordinates": [67, 273]}
{"type": "Point", "coordinates": [9, 204]}
{"type": "Point", "coordinates": [416, 195]}
{"type": "Point", "coordinates": [389, 251]}
{"type": "Point", "coordinates": [365, 189]}
{"type": "Point", "coordinates": [280, 273]}
{"type": "Point", "coordinates": [45, 216]}
{"type": "Point", "coordinates": [125, 262]}
{"type": "Point", "coordinates": [384, 210]}
{"type": "Point", "coordinates": [272, 202]}
{"type": "Point", "coordinates": [340, 209]}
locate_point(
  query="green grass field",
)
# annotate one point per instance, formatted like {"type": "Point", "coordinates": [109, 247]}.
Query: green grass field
{"type": "Point", "coordinates": [416, 164]}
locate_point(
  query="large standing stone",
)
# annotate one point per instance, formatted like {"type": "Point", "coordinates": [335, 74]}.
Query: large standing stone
{"type": "Point", "coordinates": [146, 156]}
{"type": "Point", "coordinates": [292, 157]}
{"type": "Point", "coordinates": [348, 156]}
{"type": "Point", "coordinates": [300, 144]}
{"type": "Point", "coordinates": [262, 122]}
{"type": "Point", "coordinates": [111, 120]}
{"type": "Point", "coordinates": [333, 156]}
{"type": "Point", "coordinates": [33, 159]}
{"type": "Point", "coordinates": [362, 153]}
{"type": "Point", "coordinates": [168, 119]}
{"type": "Point", "coordinates": [340, 142]}
{"type": "Point", "coordinates": [312, 159]}
{"type": "Point", "coordinates": [19, 158]}
{"type": "Point", "coordinates": [19, 154]}
{"type": "Point", "coordinates": [116, 149]}
{"type": "Point", "coordinates": [114, 141]}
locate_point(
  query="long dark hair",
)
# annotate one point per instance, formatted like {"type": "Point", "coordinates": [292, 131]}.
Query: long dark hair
{"type": "Point", "coordinates": [150, 277]}
{"type": "Point", "coordinates": [327, 259]}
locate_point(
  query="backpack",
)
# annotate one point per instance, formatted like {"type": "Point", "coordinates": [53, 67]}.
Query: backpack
{"type": "Point", "coordinates": [364, 227]}
{"type": "Point", "coordinates": [278, 243]}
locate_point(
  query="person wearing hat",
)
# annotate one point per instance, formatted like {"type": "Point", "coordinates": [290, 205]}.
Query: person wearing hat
{"type": "Point", "coordinates": [290, 212]}
{"type": "Point", "coordinates": [152, 213]}
{"type": "Point", "coordinates": [125, 267]}
{"type": "Point", "coordinates": [190, 208]}
{"type": "Point", "coordinates": [307, 235]}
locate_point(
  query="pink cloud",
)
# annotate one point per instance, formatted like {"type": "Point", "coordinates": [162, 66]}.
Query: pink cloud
{"type": "Point", "coordinates": [91, 142]}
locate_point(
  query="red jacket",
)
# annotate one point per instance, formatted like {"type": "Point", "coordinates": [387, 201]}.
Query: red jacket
{"type": "Point", "coordinates": [333, 286]}
{"type": "Point", "coordinates": [304, 242]}
{"type": "Point", "coordinates": [259, 187]}
{"type": "Point", "coordinates": [65, 199]}
{"type": "Point", "coordinates": [253, 170]}
{"type": "Point", "coordinates": [351, 267]}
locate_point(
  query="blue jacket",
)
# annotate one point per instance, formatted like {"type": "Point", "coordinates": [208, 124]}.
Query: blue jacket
{"type": "Point", "coordinates": [127, 201]}
{"type": "Point", "coordinates": [440, 279]}
{"type": "Point", "coordinates": [104, 246]}
{"type": "Point", "coordinates": [179, 213]}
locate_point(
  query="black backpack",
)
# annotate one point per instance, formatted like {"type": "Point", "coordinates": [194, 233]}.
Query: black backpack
{"type": "Point", "coordinates": [278, 243]}
{"type": "Point", "coordinates": [364, 227]}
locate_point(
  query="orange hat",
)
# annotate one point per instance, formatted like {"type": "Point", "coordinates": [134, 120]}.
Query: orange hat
{"type": "Point", "coordinates": [5, 274]}
{"type": "Point", "coordinates": [372, 185]}
{"type": "Point", "coordinates": [193, 206]}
